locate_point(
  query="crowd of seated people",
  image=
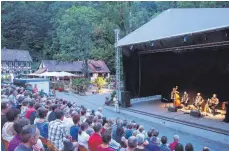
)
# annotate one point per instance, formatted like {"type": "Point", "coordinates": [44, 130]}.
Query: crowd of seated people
{"type": "Point", "coordinates": [34, 122]}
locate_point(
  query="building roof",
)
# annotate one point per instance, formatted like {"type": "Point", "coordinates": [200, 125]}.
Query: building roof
{"type": "Point", "coordinates": [15, 55]}
{"type": "Point", "coordinates": [75, 66]}
{"type": "Point", "coordinates": [177, 22]}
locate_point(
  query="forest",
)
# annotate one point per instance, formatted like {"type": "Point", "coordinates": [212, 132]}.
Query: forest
{"type": "Point", "coordinates": [78, 30]}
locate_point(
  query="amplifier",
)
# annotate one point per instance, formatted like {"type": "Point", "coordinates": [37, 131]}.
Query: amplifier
{"type": "Point", "coordinates": [172, 109]}
{"type": "Point", "coordinates": [195, 113]}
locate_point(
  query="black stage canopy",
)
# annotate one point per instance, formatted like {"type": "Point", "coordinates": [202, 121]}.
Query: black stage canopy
{"type": "Point", "coordinates": [184, 47]}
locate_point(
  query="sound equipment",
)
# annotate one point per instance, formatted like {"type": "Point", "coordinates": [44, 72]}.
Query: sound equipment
{"type": "Point", "coordinates": [172, 109]}
{"type": "Point", "coordinates": [195, 113]}
{"type": "Point", "coordinates": [125, 98]}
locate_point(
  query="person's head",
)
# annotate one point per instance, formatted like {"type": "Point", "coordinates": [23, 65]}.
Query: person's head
{"type": "Point", "coordinates": [30, 134]}
{"type": "Point", "coordinates": [89, 120]}
{"type": "Point", "coordinates": [12, 114]}
{"type": "Point", "coordinates": [83, 112]}
{"type": "Point", "coordinates": [130, 126]}
{"type": "Point", "coordinates": [141, 129]}
{"type": "Point", "coordinates": [185, 92]}
{"type": "Point", "coordinates": [42, 112]}
{"type": "Point", "coordinates": [106, 137]}
{"type": "Point", "coordinates": [100, 109]}
{"type": "Point", "coordinates": [18, 125]}
{"type": "Point", "coordinates": [25, 103]}
{"type": "Point", "coordinates": [31, 103]}
{"type": "Point", "coordinates": [164, 140]}
{"type": "Point", "coordinates": [150, 133]}
{"type": "Point", "coordinates": [76, 119]}
{"type": "Point", "coordinates": [189, 147]}
{"type": "Point", "coordinates": [104, 120]}
{"type": "Point", "coordinates": [155, 133]}
{"type": "Point", "coordinates": [132, 142]}
{"type": "Point", "coordinates": [136, 126]}
{"type": "Point", "coordinates": [214, 95]}
{"type": "Point", "coordinates": [59, 114]}
{"type": "Point", "coordinates": [37, 105]}
{"type": "Point", "coordinates": [4, 107]}
{"type": "Point", "coordinates": [54, 107]}
{"type": "Point", "coordinates": [83, 127]}
{"type": "Point", "coordinates": [176, 138]}
{"type": "Point", "coordinates": [198, 94]}
{"type": "Point", "coordinates": [179, 147]}
{"type": "Point", "coordinates": [97, 127]}
{"type": "Point", "coordinates": [35, 85]}
{"type": "Point", "coordinates": [206, 149]}
{"type": "Point", "coordinates": [140, 138]}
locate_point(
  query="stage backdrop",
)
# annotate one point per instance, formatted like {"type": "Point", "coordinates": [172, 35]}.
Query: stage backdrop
{"type": "Point", "coordinates": [204, 71]}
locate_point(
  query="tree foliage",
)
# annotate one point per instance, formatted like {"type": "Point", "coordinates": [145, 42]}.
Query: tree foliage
{"type": "Point", "coordinates": [79, 30]}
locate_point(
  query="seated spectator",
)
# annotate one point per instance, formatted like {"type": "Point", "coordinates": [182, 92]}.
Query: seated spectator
{"type": "Point", "coordinates": [52, 115]}
{"type": "Point", "coordinates": [57, 132]}
{"type": "Point", "coordinates": [24, 107]}
{"type": "Point", "coordinates": [82, 115]}
{"type": "Point", "coordinates": [95, 139]}
{"type": "Point", "coordinates": [131, 144]}
{"type": "Point", "coordinates": [74, 130]}
{"type": "Point", "coordinates": [189, 147]}
{"type": "Point", "coordinates": [105, 145]}
{"type": "Point", "coordinates": [140, 147]}
{"type": "Point", "coordinates": [206, 149]}
{"type": "Point", "coordinates": [173, 144]}
{"type": "Point", "coordinates": [179, 147]}
{"type": "Point", "coordinates": [119, 134]}
{"type": "Point", "coordinates": [41, 123]}
{"type": "Point", "coordinates": [18, 125]}
{"type": "Point", "coordinates": [113, 144]}
{"type": "Point", "coordinates": [90, 129]}
{"type": "Point", "coordinates": [29, 137]}
{"type": "Point", "coordinates": [83, 136]}
{"type": "Point", "coordinates": [164, 146]}
{"type": "Point", "coordinates": [8, 131]}
{"type": "Point", "coordinates": [99, 112]}
{"type": "Point", "coordinates": [129, 131]}
{"type": "Point", "coordinates": [30, 109]}
{"type": "Point", "coordinates": [4, 109]}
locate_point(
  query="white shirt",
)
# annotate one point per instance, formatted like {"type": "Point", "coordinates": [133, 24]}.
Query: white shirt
{"type": "Point", "coordinates": [83, 139]}
{"type": "Point", "coordinates": [6, 131]}
{"type": "Point", "coordinates": [98, 113]}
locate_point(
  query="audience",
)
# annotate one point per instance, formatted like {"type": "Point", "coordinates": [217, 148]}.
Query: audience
{"type": "Point", "coordinates": [4, 110]}
{"type": "Point", "coordinates": [8, 131]}
{"type": "Point", "coordinates": [105, 145]}
{"type": "Point", "coordinates": [173, 144]}
{"type": "Point", "coordinates": [29, 137]}
{"type": "Point", "coordinates": [189, 147]}
{"type": "Point", "coordinates": [164, 146]}
{"type": "Point", "coordinates": [83, 136]}
{"type": "Point", "coordinates": [68, 126]}
{"type": "Point", "coordinates": [18, 125]}
{"type": "Point", "coordinates": [95, 139]}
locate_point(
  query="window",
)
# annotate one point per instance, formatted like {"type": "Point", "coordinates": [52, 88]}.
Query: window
{"type": "Point", "coordinates": [10, 64]}
{"type": "Point", "coordinates": [27, 64]}
{"type": "Point", "coordinates": [15, 64]}
{"type": "Point", "coordinates": [22, 64]}
{"type": "Point", "coordinates": [4, 64]}
{"type": "Point", "coordinates": [98, 68]}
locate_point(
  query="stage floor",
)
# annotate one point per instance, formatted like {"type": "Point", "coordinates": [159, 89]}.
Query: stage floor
{"type": "Point", "coordinates": [158, 108]}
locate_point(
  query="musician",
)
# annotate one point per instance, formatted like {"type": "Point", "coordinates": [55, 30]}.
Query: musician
{"type": "Point", "coordinates": [198, 101]}
{"type": "Point", "coordinates": [173, 94]}
{"type": "Point", "coordinates": [213, 102]}
{"type": "Point", "coordinates": [227, 113]}
{"type": "Point", "coordinates": [185, 99]}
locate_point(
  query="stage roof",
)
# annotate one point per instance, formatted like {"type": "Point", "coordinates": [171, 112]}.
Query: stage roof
{"type": "Point", "coordinates": [178, 22]}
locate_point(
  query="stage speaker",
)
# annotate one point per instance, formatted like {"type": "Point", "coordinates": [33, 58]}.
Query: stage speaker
{"type": "Point", "coordinates": [195, 113]}
{"type": "Point", "coordinates": [125, 98]}
{"type": "Point", "coordinates": [172, 109]}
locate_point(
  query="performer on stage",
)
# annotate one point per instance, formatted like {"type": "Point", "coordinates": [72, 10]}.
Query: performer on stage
{"type": "Point", "coordinates": [173, 92]}
{"type": "Point", "coordinates": [214, 101]}
{"type": "Point", "coordinates": [185, 99]}
{"type": "Point", "coordinates": [227, 113]}
{"type": "Point", "coordinates": [198, 101]}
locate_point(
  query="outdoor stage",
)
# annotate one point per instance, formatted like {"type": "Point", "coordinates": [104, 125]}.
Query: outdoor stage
{"type": "Point", "coordinates": [156, 107]}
